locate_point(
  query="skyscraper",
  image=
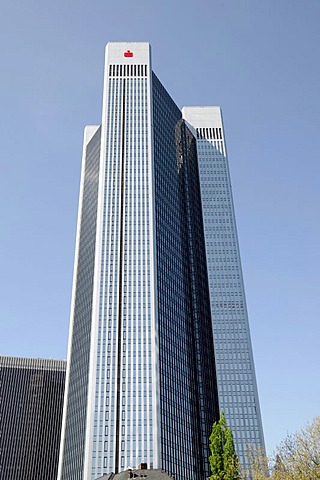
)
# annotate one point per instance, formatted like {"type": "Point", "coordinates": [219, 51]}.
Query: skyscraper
{"type": "Point", "coordinates": [31, 402]}
{"type": "Point", "coordinates": [238, 394]}
{"type": "Point", "coordinates": [141, 382]}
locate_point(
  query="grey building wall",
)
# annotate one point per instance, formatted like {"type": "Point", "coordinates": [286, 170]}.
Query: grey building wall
{"type": "Point", "coordinates": [238, 394]}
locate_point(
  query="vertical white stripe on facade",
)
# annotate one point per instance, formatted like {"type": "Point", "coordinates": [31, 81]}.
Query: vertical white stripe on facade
{"type": "Point", "coordinates": [137, 357]}
{"type": "Point", "coordinates": [89, 132]}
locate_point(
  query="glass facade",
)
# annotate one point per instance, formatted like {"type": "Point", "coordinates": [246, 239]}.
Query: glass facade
{"type": "Point", "coordinates": [75, 409]}
{"type": "Point", "coordinates": [31, 403]}
{"type": "Point", "coordinates": [238, 395]}
{"type": "Point", "coordinates": [188, 397]}
{"type": "Point", "coordinates": [124, 399]}
{"type": "Point", "coordinates": [141, 379]}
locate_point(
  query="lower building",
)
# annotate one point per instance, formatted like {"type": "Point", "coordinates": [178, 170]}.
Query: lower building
{"type": "Point", "coordinates": [31, 403]}
{"type": "Point", "coordinates": [141, 472]}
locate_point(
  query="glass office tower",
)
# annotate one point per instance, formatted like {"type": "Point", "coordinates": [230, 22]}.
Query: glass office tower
{"type": "Point", "coordinates": [238, 395]}
{"type": "Point", "coordinates": [141, 381]}
{"type": "Point", "coordinates": [31, 402]}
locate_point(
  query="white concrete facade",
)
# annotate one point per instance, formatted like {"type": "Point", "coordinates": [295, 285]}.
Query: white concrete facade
{"type": "Point", "coordinates": [122, 366]}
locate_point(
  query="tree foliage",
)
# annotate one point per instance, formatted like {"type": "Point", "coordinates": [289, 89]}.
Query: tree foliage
{"type": "Point", "coordinates": [297, 457]}
{"type": "Point", "coordinates": [224, 462]}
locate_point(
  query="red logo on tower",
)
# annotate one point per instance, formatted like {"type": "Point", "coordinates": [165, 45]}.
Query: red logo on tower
{"type": "Point", "coordinates": [128, 53]}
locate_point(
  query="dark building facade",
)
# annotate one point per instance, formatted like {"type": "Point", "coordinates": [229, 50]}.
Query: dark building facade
{"type": "Point", "coordinates": [188, 389]}
{"type": "Point", "coordinates": [31, 404]}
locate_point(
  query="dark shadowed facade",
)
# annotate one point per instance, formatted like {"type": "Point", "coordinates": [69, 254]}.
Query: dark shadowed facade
{"type": "Point", "coordinates": [31, 404]}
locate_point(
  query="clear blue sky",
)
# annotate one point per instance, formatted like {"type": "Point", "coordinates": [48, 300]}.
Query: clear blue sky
{"type": "Point", "coordinates": [258, 60]}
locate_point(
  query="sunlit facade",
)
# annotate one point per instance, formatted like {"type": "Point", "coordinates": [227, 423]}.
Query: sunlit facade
{"type": "Point", "coordinates": [238, 395]}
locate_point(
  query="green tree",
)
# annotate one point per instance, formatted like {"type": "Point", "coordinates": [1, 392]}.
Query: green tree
{"type": "Point", "coordinates": [224, 462]}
